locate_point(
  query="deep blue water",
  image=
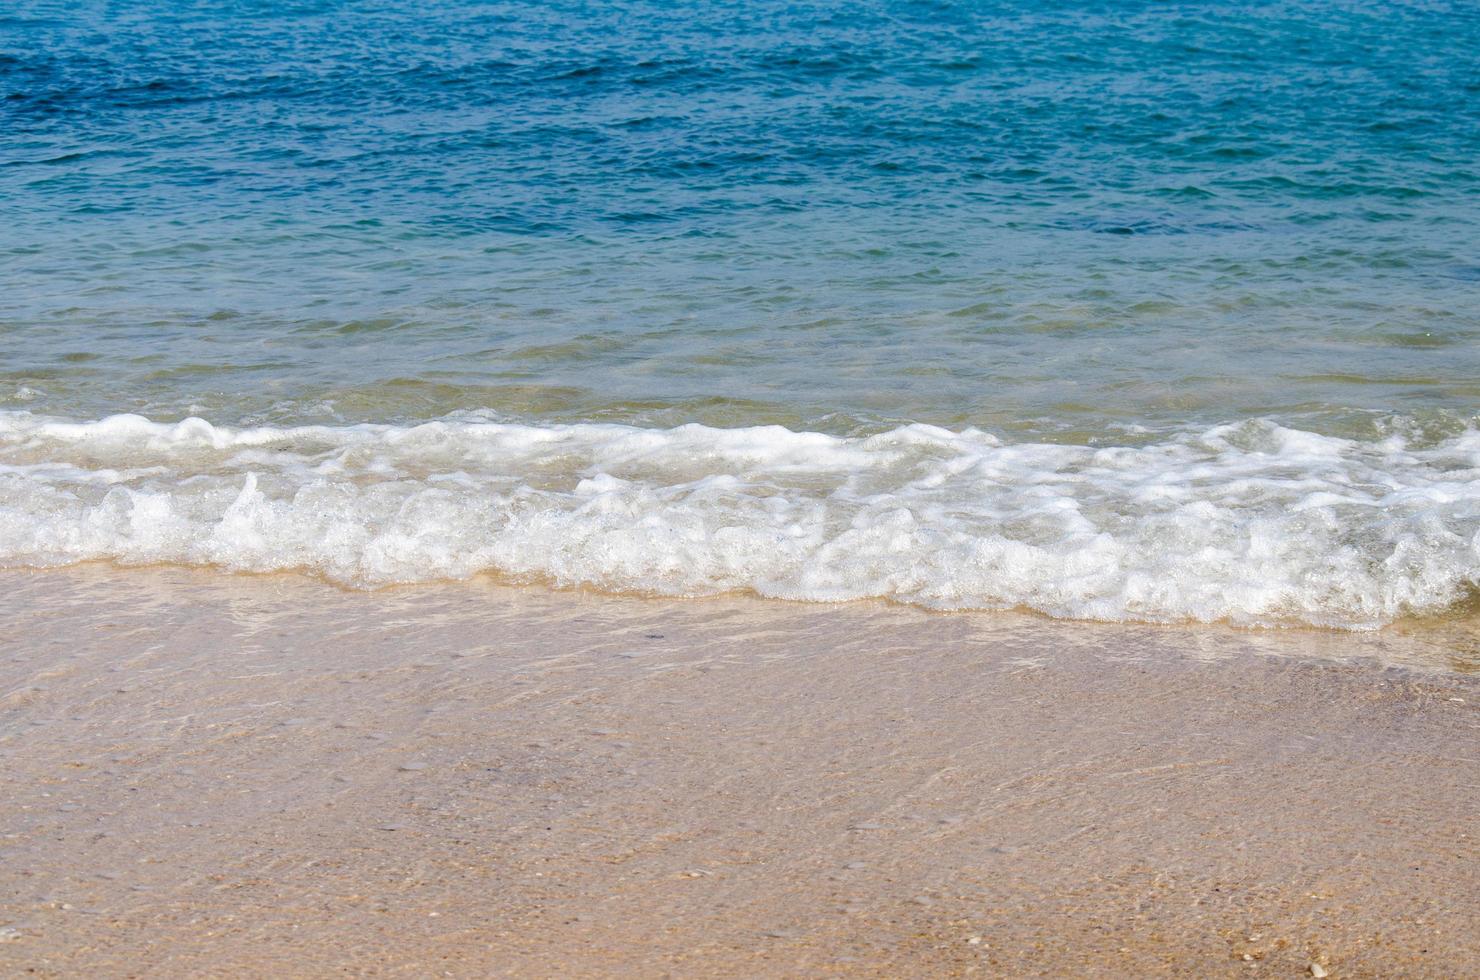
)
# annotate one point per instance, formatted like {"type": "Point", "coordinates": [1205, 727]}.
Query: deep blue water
{"type": "Point", "coordinates": [966, 213]}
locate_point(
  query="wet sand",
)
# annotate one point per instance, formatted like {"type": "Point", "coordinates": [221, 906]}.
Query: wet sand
{"type": "Point", "coordinates": [213, 775]}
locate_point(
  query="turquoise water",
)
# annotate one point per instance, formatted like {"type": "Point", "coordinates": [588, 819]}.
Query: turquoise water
{"type": "Point", "coordinates": [1123, 310]}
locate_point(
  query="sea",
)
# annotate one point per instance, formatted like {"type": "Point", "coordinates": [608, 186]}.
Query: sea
{"type": "Point", "coordinates": [1111, 310]}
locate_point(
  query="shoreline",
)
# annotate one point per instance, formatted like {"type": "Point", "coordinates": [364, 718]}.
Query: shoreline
{"type": "Point", "coordinates": [208, 773]}
{"type": "Point", "coordinates": [1248, 522]}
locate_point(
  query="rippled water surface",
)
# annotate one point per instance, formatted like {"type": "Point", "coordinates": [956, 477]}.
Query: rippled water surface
{"type": "Point", "coordinates": [1111, 224]}
{"type": "Point", "coordinates": [1027, 215]}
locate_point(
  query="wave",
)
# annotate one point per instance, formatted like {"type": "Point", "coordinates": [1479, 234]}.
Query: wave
{"type": "Point", "coordinates": [1251, 522]}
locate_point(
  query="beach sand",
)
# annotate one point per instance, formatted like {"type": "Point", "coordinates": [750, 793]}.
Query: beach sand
{"type": "Point", "coordinates": [226, 775]}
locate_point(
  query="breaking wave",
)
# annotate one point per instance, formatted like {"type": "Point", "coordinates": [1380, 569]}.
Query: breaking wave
{"type": "Point", "coordinates": [1251, 522]}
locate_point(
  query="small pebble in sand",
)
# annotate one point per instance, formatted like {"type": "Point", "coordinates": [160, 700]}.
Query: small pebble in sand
{"type": "Point", "coordinates": [413, 766]}
{"type": "Point", "coordinates": [8, 934]}
{"type": "Point", "coordinates": [922, 900]}
{"type": "Point", "coordinates": [393, 826]}
{"type": "Point", "coordinates": [777, 934]}
{"type": "Point", "coordinates": [867, 826]}
{"type": "Point", "coordinates": [974, 941]}
{"type": "Point", "coordinates": [1317, 970]}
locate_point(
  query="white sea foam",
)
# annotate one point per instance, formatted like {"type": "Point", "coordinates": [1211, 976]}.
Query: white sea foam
{"type": "Point", "coordinates": [1252, 523]}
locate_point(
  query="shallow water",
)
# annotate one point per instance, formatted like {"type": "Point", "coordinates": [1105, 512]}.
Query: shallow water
{"type": "Point", "coordinates": [1236, 241]}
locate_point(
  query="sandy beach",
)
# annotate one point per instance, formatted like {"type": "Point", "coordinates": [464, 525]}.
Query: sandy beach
{"type": "Point", "coordinates": [269, 776]}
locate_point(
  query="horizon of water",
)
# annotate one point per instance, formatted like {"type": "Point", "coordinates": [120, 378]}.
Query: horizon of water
{"type": "Point", "coordinates": [1110, 310]}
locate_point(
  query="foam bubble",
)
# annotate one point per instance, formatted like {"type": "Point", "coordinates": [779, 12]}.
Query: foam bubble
{"type": "Point", "coordinates": [1251, 522]}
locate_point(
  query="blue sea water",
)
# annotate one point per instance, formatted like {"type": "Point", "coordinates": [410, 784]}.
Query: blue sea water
{"type": "Point", "coordinates": [1115, 309]}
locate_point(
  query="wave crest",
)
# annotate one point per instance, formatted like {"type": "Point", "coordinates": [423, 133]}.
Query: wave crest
{"type": "Point", "coordinates": [1251, 523]}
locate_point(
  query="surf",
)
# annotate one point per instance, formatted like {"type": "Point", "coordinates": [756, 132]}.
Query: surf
{"type": "Point", "coordinates": [1252, 523]}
